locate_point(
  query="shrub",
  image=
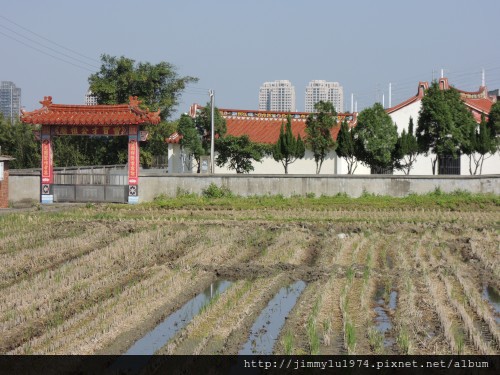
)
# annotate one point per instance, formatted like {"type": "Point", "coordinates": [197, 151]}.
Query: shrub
{"type": "Point", "coordinates": [214, 191]}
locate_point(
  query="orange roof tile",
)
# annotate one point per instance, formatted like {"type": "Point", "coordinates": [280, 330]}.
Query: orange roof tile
{"type": "Point", "coordinates": [96, 115]}
{"type": "Point", "coordinates": [264, 126]}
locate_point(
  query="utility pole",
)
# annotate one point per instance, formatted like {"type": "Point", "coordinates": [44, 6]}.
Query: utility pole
{"type": "Point", "coordinates": [390, 95]}
{"type": "Point", "coordinates": [212, 131]}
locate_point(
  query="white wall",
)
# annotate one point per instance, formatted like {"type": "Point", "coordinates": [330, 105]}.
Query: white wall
{"type": "Point", "coordinates": [423, 165]}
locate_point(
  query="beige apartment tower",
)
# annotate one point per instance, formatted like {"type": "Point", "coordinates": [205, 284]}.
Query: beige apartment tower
{"type": "Point", "coordinates": [320, 90]}
{"type": "Point", "coordinates": [277, 96]}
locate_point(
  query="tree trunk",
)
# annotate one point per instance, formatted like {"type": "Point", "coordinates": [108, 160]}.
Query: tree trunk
{"type": "Point", "coordinates": [434, 162]}
{"type": "Point", "coordinates": [318, 166]}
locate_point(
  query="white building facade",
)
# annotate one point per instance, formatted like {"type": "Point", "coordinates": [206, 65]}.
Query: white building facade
{"type": "Point", "coordinates": [90, 98]}
{"type": "Point", "coordinates": [277, 96]}
{"type": "Point", "coordinates": [320, 90]}
{"type": "Point", "coordinates": [477, 102]}
{"type": "Point", "coordinates": [10, 100]}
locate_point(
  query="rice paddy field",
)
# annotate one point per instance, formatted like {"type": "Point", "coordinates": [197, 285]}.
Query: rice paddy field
{"type": "Point", "coordinates": [271, 275]}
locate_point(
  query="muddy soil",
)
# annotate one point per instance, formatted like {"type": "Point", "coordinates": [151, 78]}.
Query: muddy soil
{"type": "Point", "coordinates": [343, 256]}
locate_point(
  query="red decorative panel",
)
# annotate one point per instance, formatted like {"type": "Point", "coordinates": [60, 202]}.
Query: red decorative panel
{"type": "Point", "coordinates": [47, 168]}
{"type": "Point", "coordinates": [133, 162]}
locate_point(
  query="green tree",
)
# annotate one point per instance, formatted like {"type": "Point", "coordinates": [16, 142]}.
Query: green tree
{"type": "Point", "coordinates": [347, 146]}
{"type": "Point", "coordinates": [318, 130]}
{"type": "Point", "coordinates": [204, 125]}
{"type": "Point", "coordinates": [18, 140]}
{"type": "Point", "coordinates": [481, 142]}
{"type": "Point", "coordinates": [191, 138]}
{"type": "Point", "coordinates": [159, 86]}
{"type": "Point", "coordinates": [494, 122]}
{"type": "Point", "coordinates": [288, 148]}
{"type": "Point", "coordinates": [443, 124]}
{"type": "Point", "coordinates": [377, 135]}
{"type": "Point", "coordinates": [407, 149]}
{"type": "Point", "coordinates": [239, 152]}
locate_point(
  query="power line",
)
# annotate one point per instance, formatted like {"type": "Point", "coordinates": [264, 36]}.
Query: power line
{"type": "Point", "coordinates": [50, 41]}
{"type": "Point", "coordinates": [49, 48]}
{"type": "Point", "coordinates": [45, 53]}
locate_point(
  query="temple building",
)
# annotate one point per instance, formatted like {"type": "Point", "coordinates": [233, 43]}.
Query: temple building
{"type": "Point", "coordinates": [263, 127]}
{"type": "Point", "coordinates": [478, 102]}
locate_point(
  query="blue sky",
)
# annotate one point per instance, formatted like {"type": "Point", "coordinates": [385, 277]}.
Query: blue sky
{"type": "Point", "coordinates": [235, 46]}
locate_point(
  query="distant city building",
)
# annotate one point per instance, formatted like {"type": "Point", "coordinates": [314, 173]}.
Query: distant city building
{"type": "Point", "coordinates": [10, 100]}
{"type": "Point", "coordinates": [277, 96]}
{"type": "Point", "coordinates": [320, 90]}
{"type": "Point", "coordinates": [90, 99]}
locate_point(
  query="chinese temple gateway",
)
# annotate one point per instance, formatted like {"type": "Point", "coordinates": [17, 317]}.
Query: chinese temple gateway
{"type": "Point", "coordinates": [90, 120]}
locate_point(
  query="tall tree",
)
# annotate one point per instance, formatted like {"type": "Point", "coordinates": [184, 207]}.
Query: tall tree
{"type": "Point", "coordinates": [494, 122]}
{"type": "Point", "coordinates": [378, 136]}
{"type": "Point", "coordinates": [159, 86]}
{"type": "Point", "coordinates": [238, 152]}
{"type": "Point", "coordinates": [407, 149]}
{"type": "Point", "coordinates": [480, 143]}
{"type": "Point", "coordinates": [318, 130]}
{"type": "Point", "coordinates": [191, 138]}
{"type": "Point", "coordinates": [347, 146]}
{"type": "Point", "coordinates": [443, 124]}
{"type": "Point", "coordinates": [18, 141]}
{"type": "Point", "coordinates": [288, 148]}
{"type": "Point", "coordinates": [204, 125]}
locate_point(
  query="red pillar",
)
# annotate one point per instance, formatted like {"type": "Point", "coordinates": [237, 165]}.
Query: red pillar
{"type": "Point", "coordinates": [133, 164]}
{"type": "Point", "coordinates": [47, 178]}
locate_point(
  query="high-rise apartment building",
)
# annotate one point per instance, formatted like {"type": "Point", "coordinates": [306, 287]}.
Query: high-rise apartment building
{"type": "Point", "coordinates": [10, 100]}
{"type": "Point", "coordinates": [277, 96]}
{"type": "Point", "coordinates": [90, 98]}
{"type": "Point", "coordinates": [318, 90]}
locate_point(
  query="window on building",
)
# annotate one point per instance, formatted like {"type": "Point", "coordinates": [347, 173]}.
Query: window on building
{"type": "Point", "coordinates": [378, 170]}
{"type": "Point", "coordinates": [447, 164]}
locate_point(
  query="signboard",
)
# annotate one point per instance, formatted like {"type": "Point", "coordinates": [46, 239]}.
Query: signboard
{"type": "Point", "coordinates": [47, 176]}
{"type": "Point", "coordinates": [205, 164]}
{"type": "Point", "coordinates": [133, 162]}
{"type": "Point", "coordinates": [143, 135]}
{"type": "Point", "coordinates": [1, 170]}
{"type": "Point", "coordinates": [114, 130]}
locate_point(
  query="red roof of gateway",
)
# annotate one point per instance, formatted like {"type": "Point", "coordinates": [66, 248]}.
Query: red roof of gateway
{"type": "Point", "coordinates": [264, 126]}
{"type": "Point", "coordinates": [100, 115]}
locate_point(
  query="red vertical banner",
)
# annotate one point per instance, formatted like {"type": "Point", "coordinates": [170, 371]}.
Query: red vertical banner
{"type": "Point", "coordinates": [133, 165]}
{"type": "Point", "coordinates": [133, 155]}
{"type": "Point", "coordinates": [47, 165]}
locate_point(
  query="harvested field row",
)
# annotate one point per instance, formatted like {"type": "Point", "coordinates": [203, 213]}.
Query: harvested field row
{"type": "Point", "coordinates": [377, 281]}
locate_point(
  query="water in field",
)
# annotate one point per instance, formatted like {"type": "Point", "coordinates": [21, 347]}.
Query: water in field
{"type": "Point", "coordinates": [383, 320]}
{"type": "Point", "coordinates": [493, 297]}
{"type": "Point", "coordinates": [164, 331]}
{"type": "Point", "coordinates": [267, 327]}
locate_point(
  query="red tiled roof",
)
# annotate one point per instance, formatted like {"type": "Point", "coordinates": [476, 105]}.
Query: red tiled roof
{"type": "Point", "coordinates": [481, 104]}
{"type": "Point", "coordinates": [477, 101]}
{"type": "Point", "coordinates": [97, 115]}
{"type": "Point", "coordinates": [420, 94]}
{"type": "Point", "coordinates": [264, 126]}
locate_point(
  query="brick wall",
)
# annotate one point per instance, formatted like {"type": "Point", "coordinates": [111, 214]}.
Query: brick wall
{"type": "Point", "coordinates": [4, 187]}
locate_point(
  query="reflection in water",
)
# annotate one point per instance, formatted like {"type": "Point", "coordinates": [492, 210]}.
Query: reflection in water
{"type": "Point", "coordinates": [159, 336]}
{"type": "Point", "coordinates": [267, 327]}
{"type": "Point", "coordinates": [383, 321]}
{"type": "Point", "coordinates": [493, 297]}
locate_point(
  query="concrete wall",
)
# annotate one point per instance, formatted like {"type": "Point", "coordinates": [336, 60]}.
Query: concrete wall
{"type": "Point", "coordinates": [24, 186]}
{"type": "Point", "coordinates": [151, 185]}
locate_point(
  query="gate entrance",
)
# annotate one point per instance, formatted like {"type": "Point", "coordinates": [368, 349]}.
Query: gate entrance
{"type": "Point", "coordinates": [91, 184]}
{"type": "Point", "coordinates": [89, 120]}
